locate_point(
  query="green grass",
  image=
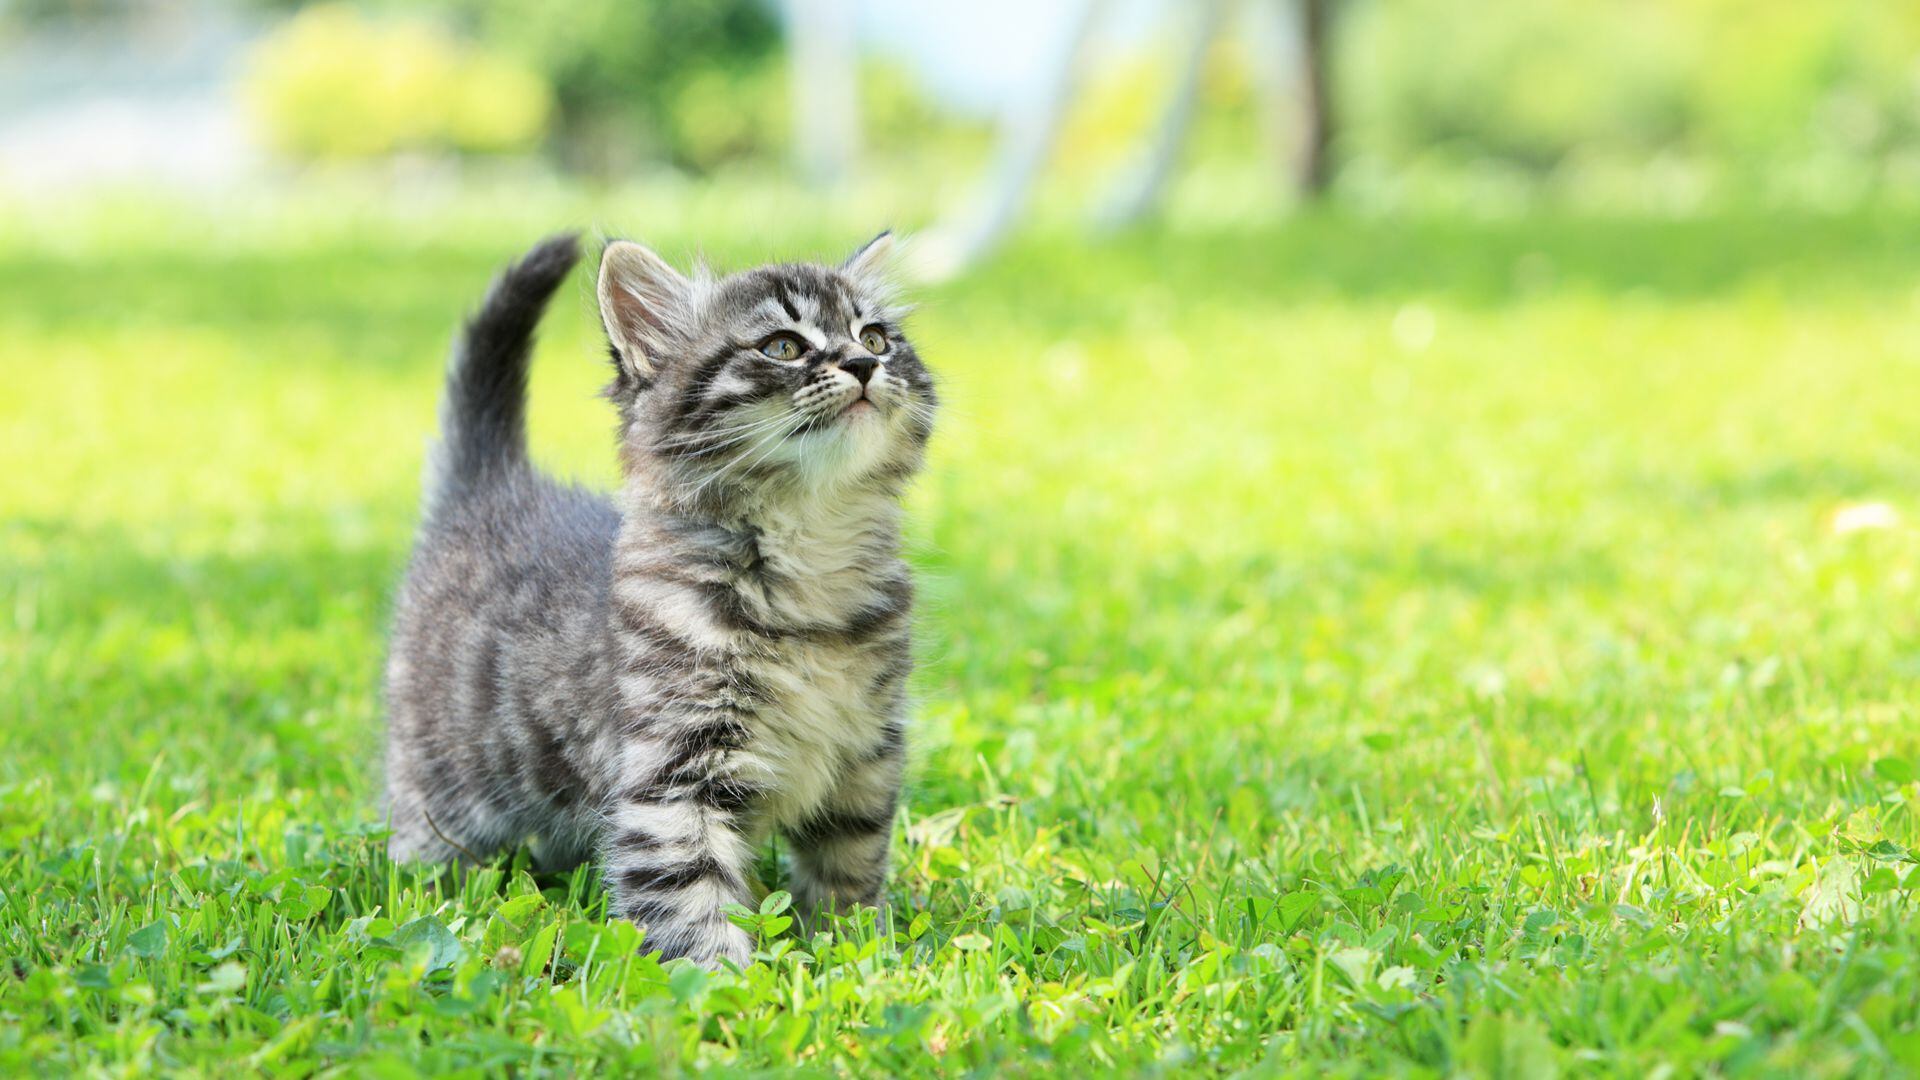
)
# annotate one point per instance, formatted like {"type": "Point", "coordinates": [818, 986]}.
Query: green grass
{"type": "Point", "coordinates": [1349, 646]}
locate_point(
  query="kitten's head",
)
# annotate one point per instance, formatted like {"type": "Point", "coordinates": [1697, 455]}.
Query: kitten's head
{"type": "Point", "coordinates": [792, 379]}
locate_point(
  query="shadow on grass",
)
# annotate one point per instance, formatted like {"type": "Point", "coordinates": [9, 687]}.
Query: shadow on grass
{"type": "Point", "coordinates": [374, 304]}
{"type": "Point", "coordinates": [121, 653]}
{"type": "Point", "coordinates": [1321, 257]}
{"type": "Point", "coordinates": [1778, 481]}
{"type": "Point", "coordinates": [86, 573]}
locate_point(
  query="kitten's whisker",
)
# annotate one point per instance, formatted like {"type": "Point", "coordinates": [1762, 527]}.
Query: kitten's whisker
{"type": "Point", "coordinates": [742, 426]}
{"type": "Point", "coordinates": [728, 444]}
{"type": "Point", "coordinates": [774, 437]}
{"type": "Point", "coordinates": [767, 453]}
{"type": "Point", "coordinates": [697, 436]}
{"type": "Point", "coordinates": [735, 436]}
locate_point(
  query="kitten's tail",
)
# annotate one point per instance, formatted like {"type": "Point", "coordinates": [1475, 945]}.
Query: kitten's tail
{"type": "Point", "coordinates": [483, 411]}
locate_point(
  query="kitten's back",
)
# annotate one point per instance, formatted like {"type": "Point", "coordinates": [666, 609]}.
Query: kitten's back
{"type": "Point", "coordinates": [499, 627]}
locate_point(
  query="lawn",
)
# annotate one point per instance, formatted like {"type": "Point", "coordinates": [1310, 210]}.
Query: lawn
{"type": "Point", "coordinates": [1348, 645]}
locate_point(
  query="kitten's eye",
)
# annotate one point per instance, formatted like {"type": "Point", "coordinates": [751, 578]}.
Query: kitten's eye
{"type": "Point", "coordinates": [874, 340]}
{"type": "Point", "coordinates": [781, 347]}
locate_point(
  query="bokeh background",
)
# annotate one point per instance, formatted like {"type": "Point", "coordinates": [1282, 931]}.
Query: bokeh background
{"type": "Point", "coordinates": [1669, 107]}
{"type": "Point", "coordinates": [1417, 567]}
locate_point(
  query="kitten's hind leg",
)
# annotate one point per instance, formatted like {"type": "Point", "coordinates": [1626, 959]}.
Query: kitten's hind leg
{"type": "Point", "coordinates": [418, 840]}
{"type": "Point", "coordinates": [422, 832]}
{"type": "Point", "coordinates": [556, 851]}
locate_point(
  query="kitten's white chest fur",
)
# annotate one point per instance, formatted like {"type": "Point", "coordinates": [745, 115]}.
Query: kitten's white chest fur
{"type": "Point", "coordinates": [828, 568]}
{"type": "Point", "coordinates": [817, 716]}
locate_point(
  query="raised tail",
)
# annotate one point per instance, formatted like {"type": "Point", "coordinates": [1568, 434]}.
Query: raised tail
{"type": "Point", "coordinates": [483, 411]}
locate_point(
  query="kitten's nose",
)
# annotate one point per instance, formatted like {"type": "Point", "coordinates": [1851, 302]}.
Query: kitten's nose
{"type": "Point", "coordinates": [860, 367]}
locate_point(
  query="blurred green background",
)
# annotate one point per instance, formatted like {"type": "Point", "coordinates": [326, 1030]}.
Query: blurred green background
{"type": "Point", "coordinates": [1669, 104]}
{"type": "Point", "coordinates": [1418, 569]}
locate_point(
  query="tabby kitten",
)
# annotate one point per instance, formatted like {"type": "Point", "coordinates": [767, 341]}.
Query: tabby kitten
{"type": "Point", "coordinates": [718, 651]}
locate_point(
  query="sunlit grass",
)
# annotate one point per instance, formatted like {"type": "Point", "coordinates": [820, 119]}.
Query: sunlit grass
{"type": "Point", "coordinates": [1347, 645]}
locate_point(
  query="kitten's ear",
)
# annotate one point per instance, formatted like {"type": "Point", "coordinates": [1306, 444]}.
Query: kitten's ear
{"type": "Point", "coordinates": [874, 260]}
{"type": "Point", "coordinates": [645, 304]}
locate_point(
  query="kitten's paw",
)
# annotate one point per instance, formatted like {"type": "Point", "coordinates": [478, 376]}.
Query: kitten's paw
{"type": "Point", "coordinates": [736, 949]}
{"type": "Point", "coordinates": [709, 947]}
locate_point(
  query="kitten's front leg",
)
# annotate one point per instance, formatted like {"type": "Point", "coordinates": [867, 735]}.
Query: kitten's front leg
{"type": "Point", "coordinates": [840, 854]}
{"type": "Point", "coordinates": [677, 852]}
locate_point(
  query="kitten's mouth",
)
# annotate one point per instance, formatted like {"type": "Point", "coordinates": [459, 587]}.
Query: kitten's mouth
{"type": "Point", "coordinates": [860, 406]}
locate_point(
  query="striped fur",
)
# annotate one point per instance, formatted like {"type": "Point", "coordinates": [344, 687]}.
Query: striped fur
{"type": "Point", "coordinates": [717, 653]}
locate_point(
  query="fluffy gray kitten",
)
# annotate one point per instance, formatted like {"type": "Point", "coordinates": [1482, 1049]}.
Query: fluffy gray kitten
{"type": "Point", "coordinates": [720, 650]}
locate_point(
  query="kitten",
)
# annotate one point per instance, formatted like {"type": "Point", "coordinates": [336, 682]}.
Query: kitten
{"type": "Point", "coordinates": [722, 649]}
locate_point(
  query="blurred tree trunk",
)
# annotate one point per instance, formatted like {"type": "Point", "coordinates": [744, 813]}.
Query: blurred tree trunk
{"type": "Point", "coordinates": [1143, 191]}
{"type": "Point", "coordinates": [823, 69]}
{"type": "Point", "coordinates": [1029, 131]}
{"type": "Point", "coordinates": [1313, 156]}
